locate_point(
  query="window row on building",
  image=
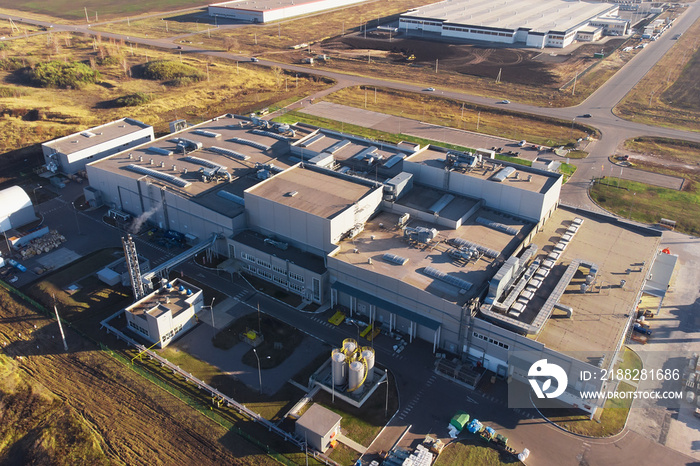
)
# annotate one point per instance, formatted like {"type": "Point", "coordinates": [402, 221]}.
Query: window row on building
{"type": "Point", "coordinates": [167, 336]}
{"type": "Point", "coordinates": [490, 340]}
{"type": "Point", "coordinates": [477, 31]}
{"type": "Point", "coordinates": [138, 328]}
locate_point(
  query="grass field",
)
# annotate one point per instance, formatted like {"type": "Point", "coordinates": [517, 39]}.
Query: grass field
{"type": "Point", "coordinates": [105, 10]}
{"type": "Point", "coordinates": [471, 450]}
{"type": "Point", "coordinates": [448, 112]}
{"type": "Point", "coordinates": [32, 115]}
{"type": "Point", "coordinates": [669, 94]}
{"type": "Point", "coordinates": [648, 204]}
{"type": "Point", "coordinates": [163, 26]}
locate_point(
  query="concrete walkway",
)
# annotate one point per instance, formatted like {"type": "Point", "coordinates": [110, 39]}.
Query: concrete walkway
{"type": "Point", "coordinates": [351, 443]}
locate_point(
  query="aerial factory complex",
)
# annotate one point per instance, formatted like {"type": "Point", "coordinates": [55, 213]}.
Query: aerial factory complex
{"type": "Point", "coordinates": [469, 253]}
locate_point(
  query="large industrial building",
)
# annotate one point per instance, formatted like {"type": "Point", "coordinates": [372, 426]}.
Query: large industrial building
{"type": "Point", "coordinates": [264, 11]}
{"type": "Point", "coordinates": [70, 154]}
{"type": "Point", "coordinates": [532, 23]}
{"type": "Point", "coordinates": [462, 250]}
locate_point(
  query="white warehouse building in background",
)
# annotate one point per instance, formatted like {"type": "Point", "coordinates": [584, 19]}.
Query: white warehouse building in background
{"type": "Point", "coordinates": [264, 11]}
{"type": "Point", "coordinates": [533, 23]}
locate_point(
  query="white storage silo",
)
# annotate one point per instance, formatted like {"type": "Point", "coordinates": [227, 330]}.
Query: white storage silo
{"type": "Point", "coordinates": [368, 354]}
{"type": "Point", "coordinates": [349, 345]}
{"type": "Point", "coordinates": [338, 367]}
{"type": "Point", "coordinates": [355, 375]}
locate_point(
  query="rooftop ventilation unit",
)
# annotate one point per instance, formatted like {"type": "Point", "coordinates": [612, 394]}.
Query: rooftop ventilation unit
{"type": "Point", "coordinates": [394, 259]}
{"type": "Point", "coordinates": [250, 143]}
{"type": "Point", "coordinates": [231, 197]}
{"type": "Point", "coordinates": [503, 174]}
{"type": "Point", "coordinates": [188, 144]}
{"type": "Point", "coordinates": [278, 244]}
{"type": "Point", "coordinates": [441, 203]}
{"type": "Point", "coordinates": [209, 134]}
{"type": "Point", "coordinates": [204, 162]}
{"type": "Point", "coordinates": [229, 152]}
{"type": "Point", "coordinates": [365, 153]}
{"type": "Point", "coordinates": [159, 151]}
{"type": "Point", "coordinates": [268, 166]}
{"type": "Point", "coordinates": [337, 146]}
{"type": "Point", "coordinates": [88, 134]}
{"type": "Point", "coordinates": [497, 226]}
{"type": "Point", "coordinates": [269, 134]}
{"type": "Point", "coordinates": [459, 242]}
{"type": "Point", "coordinates": [420, 234]}
{"type": "Point", "coordinates": [292, 193]}
{"type": "Point", "coordinates": [450, 279]}
{"type": "Point", "coordinates": [160, 175]}
{"type": "Point", "coordinates": [312, 140]}
{"type": "Point", "coordinates": [393, 160]}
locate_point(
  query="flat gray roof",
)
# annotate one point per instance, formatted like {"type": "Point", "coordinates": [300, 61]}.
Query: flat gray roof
{"type": "Point", "coordinates": [422, 198]}
{"type": "Point", "coordinates": [599, 316]}
{"type": "Point", "coordinates": [243, 172]}
{"type": "Point", "coordinates": [317, 193]}
{"type": "Point", "coordinates": [540, 182]}
{"type": "Point", "coordinates": [95, 136]}
{"type": "Point", "coordinates": [318, 419]}
{"type": "Point", "coordinates": [377, 240]}
{"type": "Point", "coordinates": [164, 300]}
{"type": "Point", "coordinates": [535, 15]}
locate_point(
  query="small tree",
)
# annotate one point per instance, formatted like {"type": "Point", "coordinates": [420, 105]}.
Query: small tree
{"type": "Point", "coordinates": [230, 43]}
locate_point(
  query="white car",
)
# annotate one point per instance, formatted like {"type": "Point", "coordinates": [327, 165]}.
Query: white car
{"type": "Point", "coordinates": [430, 89]}
{"type": "Point", "coordinates": [13, 279]}
{"type": "Point", "coordinates": [504, 101]}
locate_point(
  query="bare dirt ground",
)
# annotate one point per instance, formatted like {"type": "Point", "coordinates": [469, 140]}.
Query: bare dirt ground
{"type": "Point", "coordinates": [133, 421]}
{"type": "Point", "coordinates": [517, 65]}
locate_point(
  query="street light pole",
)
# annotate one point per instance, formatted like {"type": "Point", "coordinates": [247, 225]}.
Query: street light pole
{"type": "Point", "coordinates": [259, 372]}
{"type": "Point", "coordinates": [211, 308]}
{"type": "Point", "coordinates": [386, 404]}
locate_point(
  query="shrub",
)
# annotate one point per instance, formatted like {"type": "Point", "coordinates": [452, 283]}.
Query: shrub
{"type": "Point", "coordinates": [12, 64]}
{"type": "Point", "coordinates": [133, 100]}
{"type": "Point", "coordinates": [57, 74]}
{"type": "Point", "coordinates": [173, 72]}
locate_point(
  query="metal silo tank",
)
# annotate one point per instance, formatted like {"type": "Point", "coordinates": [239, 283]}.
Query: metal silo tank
{"type": "Point", "coordinates": [349, 345]}
{"type": "Point", "coordinates": [368, 355]}
{"type": "Point", "coordinates": [339, 367]}
{"type": "Point", "coordinates": [356, 375]}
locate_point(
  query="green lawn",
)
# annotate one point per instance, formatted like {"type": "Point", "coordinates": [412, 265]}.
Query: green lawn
{"type": "Point", "coordinates": [648, 204]}
{"type": "Point", "coordinates": [471, 450]}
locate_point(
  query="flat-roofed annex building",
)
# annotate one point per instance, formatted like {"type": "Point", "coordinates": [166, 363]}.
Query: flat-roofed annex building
{"type": "Point", "coordinates": [167, 313]}
{"type": "Point", "coordinates": [533, 23]}
{"type": "Point", "coordinates": [71, 153]}
{"type": "Point", "coordinates": [264, 11]}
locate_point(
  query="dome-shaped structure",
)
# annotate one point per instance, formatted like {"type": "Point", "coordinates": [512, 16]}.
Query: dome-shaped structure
{"type": "Point", "coordinates": [16, 208]}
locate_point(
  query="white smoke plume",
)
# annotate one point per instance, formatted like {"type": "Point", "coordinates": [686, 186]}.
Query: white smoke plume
{"type": "Point", "coordinates": [140, 220]}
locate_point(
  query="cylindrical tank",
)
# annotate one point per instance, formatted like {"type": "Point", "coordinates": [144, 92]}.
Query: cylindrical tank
{"type": "Point", "coordinates": [338, 367]}
{"type": "Point", "coordinates": [368, 354]}
{"type": "Point", "coordinates": [356, 374]}
{"type": "Point", "coordinates": [349, 345]}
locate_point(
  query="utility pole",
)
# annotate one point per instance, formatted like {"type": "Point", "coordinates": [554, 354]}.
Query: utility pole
{"type": "Point", "coordinates": [478, 119]}
{"type": "Point", "coordinates": [60, 327]}
{"type": "Point", "coordinates": [87, 20]}
{"type": "Point", "coordinates": [436, 65]}
{"type": "Point", "coordinates": [573, 89]}
{"type": "Point", "coordinates": [498, 78]}
{"type": "Point", "coordinates": [211, 309]}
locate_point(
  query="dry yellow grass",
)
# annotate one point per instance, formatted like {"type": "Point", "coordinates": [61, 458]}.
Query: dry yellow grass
{"type": "Point", "coordinates": [56, 112]}
{"type": "Point", "coordinates": [650, 103]}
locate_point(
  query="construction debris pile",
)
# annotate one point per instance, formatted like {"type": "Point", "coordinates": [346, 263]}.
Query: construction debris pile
{"type": "Point", "coordinates": [46, 243]}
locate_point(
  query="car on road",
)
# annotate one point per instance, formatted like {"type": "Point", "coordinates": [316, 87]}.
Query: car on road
{"type": "Point", "coordinates": [504, 101]}
{"type": "Point", "coordinates": [179, 47]}
{"type": "Point", "coordinates": [429, 89]}
{"type": "Point", "coordinates": [586, 115]}
{"type": "Point", "coordinates": [254, 59]}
